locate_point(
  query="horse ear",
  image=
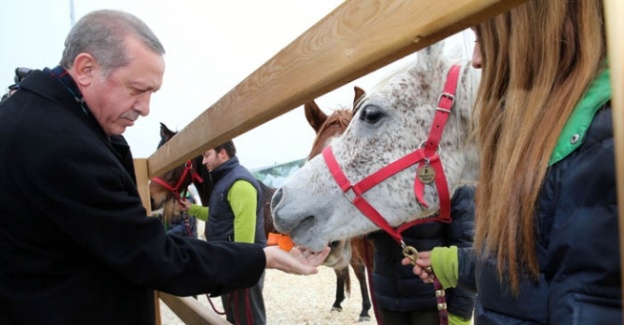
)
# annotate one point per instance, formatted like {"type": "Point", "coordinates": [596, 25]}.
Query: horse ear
{"type": "Point", "coordinates": [432, 53]}
{"type": "Point", "coordinates": [165, 133]}
{"type": "Point", "coordinates": [359, 96]}
{"type": "Point", "coordinates": [314, 115]}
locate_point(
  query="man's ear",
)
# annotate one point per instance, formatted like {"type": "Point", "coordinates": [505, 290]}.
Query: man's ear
{"type": "Point", "coordinates": [224, 154]}
{"type": "Point", "coordinates": [84, 68]}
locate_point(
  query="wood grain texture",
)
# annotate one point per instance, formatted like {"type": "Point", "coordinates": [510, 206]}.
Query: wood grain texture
{"type": "Point", "coordinates": [140, 169]}
{"type": "Point", "coordinates": [358, 37]}
{"type": "Point", "coordinates": [191, 311]}
{"type": "Point", "coordinates": [614, 11]}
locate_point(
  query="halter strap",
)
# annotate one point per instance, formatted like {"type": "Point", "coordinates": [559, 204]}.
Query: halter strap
{"type": "Point", "coordinates": [175, 190]}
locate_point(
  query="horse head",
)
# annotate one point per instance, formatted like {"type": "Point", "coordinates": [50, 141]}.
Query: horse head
{"type": "Point", "coordinates": [392, 121]}
{"type": "Point", "coordinates": [179, 179]}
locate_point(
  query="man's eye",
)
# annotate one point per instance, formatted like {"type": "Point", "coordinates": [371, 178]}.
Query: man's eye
{"type": "Point", "coordinates": [137, 92]}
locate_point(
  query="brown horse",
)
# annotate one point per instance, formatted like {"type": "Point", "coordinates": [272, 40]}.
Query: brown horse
{"type": "Point", "coordinates": [328, 128]}
{"type": "Point", "coordinates": [165, 189]}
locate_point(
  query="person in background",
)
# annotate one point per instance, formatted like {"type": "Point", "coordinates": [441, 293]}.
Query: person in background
{"type": "Point", "coordinates": [235, 215]}
{"type": "Point", "coordinates": [181, 224]}
{"type": "Point", "coordinates": [86, 252]}
{"type": "Point", "coordinates": [546, 244]}
{"type": "Point", "coordinates": [20, 74]}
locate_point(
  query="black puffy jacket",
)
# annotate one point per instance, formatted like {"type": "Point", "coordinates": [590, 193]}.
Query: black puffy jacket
{"type": "Point", "coordinates": [577, 235]}
{"type": "Point", "coordinates": [395, 286]}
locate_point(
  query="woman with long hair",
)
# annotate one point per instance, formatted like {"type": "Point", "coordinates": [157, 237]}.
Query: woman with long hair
{"type": "Point", "coordinates": [546, 247]}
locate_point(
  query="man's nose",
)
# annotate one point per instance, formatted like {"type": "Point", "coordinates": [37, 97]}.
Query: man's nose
{"type": "Point", "coordinates": [142, 105]}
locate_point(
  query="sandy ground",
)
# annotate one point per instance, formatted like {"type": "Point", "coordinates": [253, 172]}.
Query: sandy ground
{"type": "Point", "coordinates": [298, 300]}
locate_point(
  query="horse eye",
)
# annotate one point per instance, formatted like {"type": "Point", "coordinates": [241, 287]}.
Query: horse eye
{"type": "Point", "coordinates": [371, 114]}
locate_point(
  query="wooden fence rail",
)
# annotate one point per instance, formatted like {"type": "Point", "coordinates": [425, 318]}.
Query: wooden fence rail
{"type": "Point", "coordinates": [358, 37]}
{"type": "Point", "coordinates": [614, 9]}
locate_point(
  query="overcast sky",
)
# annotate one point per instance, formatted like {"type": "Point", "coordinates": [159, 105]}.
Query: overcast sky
{"type": "Point", "coordinates": [211, 45]}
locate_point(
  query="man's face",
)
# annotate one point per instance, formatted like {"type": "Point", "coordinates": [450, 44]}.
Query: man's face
{"type": "Point", "coordinates": [213, 159]}
{"type": "Point", "coordinates": [117, 100]}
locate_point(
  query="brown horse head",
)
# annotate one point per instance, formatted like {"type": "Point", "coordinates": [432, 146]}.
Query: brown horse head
{"type": "Point", "coordinates": [162, 197]}
{"type": "Point", "coordinates": [327, 128]}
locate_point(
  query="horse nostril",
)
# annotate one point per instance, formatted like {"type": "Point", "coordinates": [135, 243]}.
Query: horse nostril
{"type": "Point", "coordinates": [277, 197]}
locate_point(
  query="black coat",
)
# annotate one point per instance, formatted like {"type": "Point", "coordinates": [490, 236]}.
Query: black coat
{"type": "Point", "coordinates": [76, 245]}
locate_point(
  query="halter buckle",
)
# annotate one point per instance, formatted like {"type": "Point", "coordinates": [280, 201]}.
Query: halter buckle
{"type": "Point", "coordinates": [450, 96]}
{"type": "Point", "coordinates": [438, 149]}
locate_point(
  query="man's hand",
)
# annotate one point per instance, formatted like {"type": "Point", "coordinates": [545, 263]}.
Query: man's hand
{"type": "Point", "coordinates": [295, 261]}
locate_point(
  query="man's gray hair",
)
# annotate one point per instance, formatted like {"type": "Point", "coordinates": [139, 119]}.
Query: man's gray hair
{"type": "Point", "coordinates": [102, 33]}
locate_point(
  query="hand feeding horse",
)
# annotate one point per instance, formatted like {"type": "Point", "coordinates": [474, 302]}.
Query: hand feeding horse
{"type": "Point", "coordinates": [359, 250]}
{"type": "Point", "coordinates": [397, 164]}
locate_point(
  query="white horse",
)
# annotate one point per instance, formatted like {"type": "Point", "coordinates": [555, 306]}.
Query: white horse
{"type": "Point", "coordinates": [392, 121]}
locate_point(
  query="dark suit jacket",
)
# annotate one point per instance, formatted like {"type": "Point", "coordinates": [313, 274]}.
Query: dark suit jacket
{"type": "Point", "coordinates": [76, 245]}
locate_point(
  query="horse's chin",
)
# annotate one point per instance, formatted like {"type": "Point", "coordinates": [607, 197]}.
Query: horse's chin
{"type": "Point", "coordinates": [314, 246]}
{"type": "Point", "coordinates": [339, 255]}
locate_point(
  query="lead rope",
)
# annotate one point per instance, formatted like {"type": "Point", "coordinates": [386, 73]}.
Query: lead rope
{"type": "Point", "coordinates": [411, 253]}
{"type": "Point", "coordinates": [248, 312]}
{"type": "Point", "coordinates": [213, 306]}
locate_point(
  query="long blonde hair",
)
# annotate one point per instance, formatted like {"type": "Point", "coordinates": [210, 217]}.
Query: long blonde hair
{"type": "Point", "coordinates": [538, 61]}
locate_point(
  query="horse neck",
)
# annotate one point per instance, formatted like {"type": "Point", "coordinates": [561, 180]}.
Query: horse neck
{"type": "Point", "coordinates": [204, 189]}
{"type": "Point", "coordinates": [468, 91]}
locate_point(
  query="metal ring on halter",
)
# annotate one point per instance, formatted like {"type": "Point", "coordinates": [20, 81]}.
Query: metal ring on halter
{"type": "Point", "coordinates": [438, 149]}
{"type": "Point", "coordinates": [410, 252]}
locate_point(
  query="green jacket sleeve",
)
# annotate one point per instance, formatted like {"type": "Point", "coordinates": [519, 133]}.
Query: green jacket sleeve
{"type": "Point", "coordinates": [445, 265]}
{"type": "Point", "coordinates": [243, 201]}
{"type": "Point", "coordinates": [199, 212]}
{"type": "Point", "coordinates": [458, 320]}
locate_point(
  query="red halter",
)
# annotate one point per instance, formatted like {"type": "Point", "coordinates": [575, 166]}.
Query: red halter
{"type": "Point", "coordinates": [175, 190]}
{"type": "Point", "coordinates": [430, 170]}
{"type": "Point", "coordinates": [426, 157]}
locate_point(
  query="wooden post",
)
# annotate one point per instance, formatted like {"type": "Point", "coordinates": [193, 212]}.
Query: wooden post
{"type": "Point", "coordinates": [614, 11]}
{"type": "Point", "coordinates": [142, 176]}
{"type": "Point", "coordinates": [191, 311]}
